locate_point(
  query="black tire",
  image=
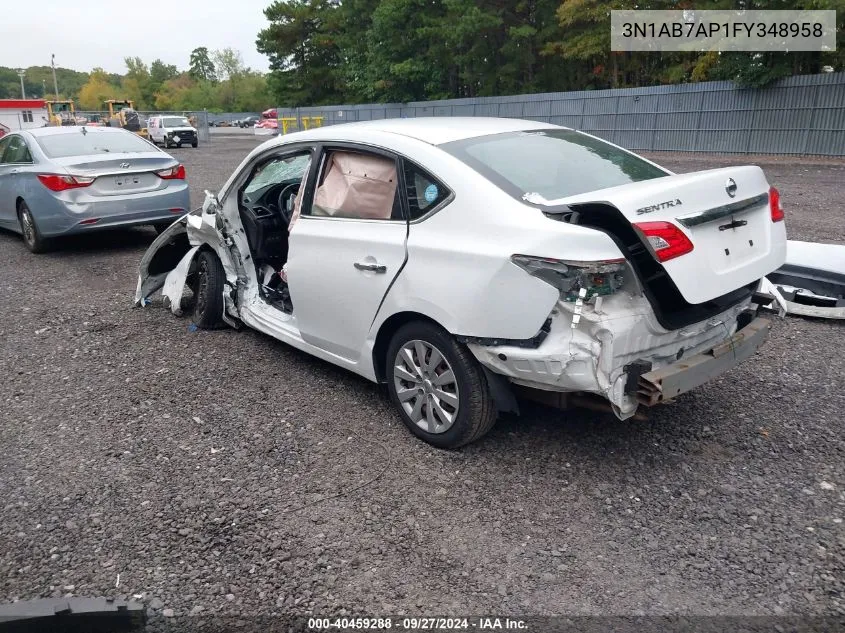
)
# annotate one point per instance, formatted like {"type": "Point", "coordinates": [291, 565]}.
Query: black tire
{"type": "Point", "coordinates": [32, 238]}
{"type": "Point", "coordinates": [476, 412]}
{"type": "Point", "coordinates": [194, 144]}
{"type": "Point", "coordinates": [161, 227]}
{"type": "Point", "coordinates": [208, 291]}
{"type": "Point", "coordinates": [166, 143]}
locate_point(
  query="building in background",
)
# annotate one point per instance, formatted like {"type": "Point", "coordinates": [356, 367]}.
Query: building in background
{"type": "Point", "coordinates": [21, 114]}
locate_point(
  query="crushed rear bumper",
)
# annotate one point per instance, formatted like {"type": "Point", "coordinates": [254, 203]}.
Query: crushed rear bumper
{"type": "Point", "coordinates": [672, 380]}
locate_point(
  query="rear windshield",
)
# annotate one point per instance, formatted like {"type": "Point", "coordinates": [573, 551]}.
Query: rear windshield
{"type": "Point", "coordinates": [79, 144]}
{"type": "Point", "coordinates": [552, 163]}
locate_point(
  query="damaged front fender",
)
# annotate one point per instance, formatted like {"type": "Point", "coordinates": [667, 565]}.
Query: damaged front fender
{"type": "Point", "coordinates": [168, 263]}
{"type": "Point", "coordinates": [163, 255]}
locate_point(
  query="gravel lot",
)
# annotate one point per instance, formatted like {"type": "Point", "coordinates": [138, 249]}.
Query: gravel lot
{"type": "Point", "coordinates": [202, 467]}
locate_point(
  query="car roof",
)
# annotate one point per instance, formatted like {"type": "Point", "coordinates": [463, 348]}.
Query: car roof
{"type": "Point", "coordinates": [433, 130]}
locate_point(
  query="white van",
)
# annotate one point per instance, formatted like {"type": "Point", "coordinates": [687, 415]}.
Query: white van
{"type": "Point", "coordinates": [171, 131]}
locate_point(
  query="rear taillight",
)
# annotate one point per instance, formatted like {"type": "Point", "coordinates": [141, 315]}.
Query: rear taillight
{"type": "Point", "coordinates": [774, 205]}
{"type": "Point", "coordinates": [595, 278]}
{"type": "Point", "coordinates": [666, 240]}
{"type": "Point", "coordinates": [173, 173]}
{"type": "Point", "coordinates": [60, 182]}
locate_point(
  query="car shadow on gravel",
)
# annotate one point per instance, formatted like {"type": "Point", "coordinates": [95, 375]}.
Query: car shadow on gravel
{"type": "Point", "coordinates": [670, 434]}
{"type": "Point", "coordinates": [95, 242]}
{"type": "Point", "coordinates": [668, 423]}
{"type": "Point", "coordinates": [311, 364]}
{"type": "Point", "coordinates": [106, 241]}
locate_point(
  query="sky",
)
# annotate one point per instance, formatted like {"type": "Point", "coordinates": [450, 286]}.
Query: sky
{"type": "Point", "coordinates": [84, 34]}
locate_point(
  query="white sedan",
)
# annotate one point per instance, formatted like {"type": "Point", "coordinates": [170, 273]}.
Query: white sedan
{"type": "Point", "coordinates": [462, 262]}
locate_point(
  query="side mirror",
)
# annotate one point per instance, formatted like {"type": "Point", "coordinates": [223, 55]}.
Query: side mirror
{"type": "Point", "coordinates": [210, 205]}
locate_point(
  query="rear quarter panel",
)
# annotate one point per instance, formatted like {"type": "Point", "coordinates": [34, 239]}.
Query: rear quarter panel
{"type": "Point", "coordinates": [48, 211]}
{"type": "Point", "coordinates": [459, 271]}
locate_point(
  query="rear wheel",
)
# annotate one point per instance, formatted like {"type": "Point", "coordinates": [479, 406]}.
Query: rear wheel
{"type": "Point", "coordinates": [437, 386]}
{"type": "Point", "coordinates": [32, 238]}
{"type": "Point", "coordinates": [208, 291]}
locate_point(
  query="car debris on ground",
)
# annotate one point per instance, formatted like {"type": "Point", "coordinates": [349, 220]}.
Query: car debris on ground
{"type": "Point", "coordinates": [811, 282]}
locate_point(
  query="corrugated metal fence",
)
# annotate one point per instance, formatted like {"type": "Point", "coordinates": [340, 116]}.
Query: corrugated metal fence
{"type": "Point", "coordinates": [802, 115]}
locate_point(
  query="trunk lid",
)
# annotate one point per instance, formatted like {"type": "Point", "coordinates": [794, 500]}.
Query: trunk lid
{"type": "Point", "coordinates": [735, 241]}
{"type": "Point", "coordinates": [129, 163]}
{"type": "Point", "coordinates": [119, 174]}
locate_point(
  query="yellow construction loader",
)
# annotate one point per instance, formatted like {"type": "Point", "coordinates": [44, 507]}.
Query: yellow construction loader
{"type": "Point", "coordinates": [122, 113]}
{"type": "Point", "coordinates": [61, 113]}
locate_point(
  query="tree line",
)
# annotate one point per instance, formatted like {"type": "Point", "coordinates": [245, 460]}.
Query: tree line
{"type": "Point", "coordinates": [357, 51]}
{"type": "Point", "coordinates": [38, 82]}
{"type": "Point", "coordinates": [214, 80]}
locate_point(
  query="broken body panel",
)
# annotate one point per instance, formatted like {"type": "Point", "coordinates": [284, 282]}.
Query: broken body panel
{"type": "Point", "coordinates": [812, 280]}
{"type": "Point", "coordinates": [594, 355]}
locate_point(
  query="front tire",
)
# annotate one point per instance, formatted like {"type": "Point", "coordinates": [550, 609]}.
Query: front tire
{"type": "Point", "coordinates": [32, 238]}
{"type": "Point", "coordinates": [208, 291]}
{"type": "Point", "coordinates": [438, 387]}
{"type": "Point", "coordinates": [194, 144]}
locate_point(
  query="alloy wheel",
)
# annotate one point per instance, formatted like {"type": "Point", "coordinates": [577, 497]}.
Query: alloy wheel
{"type": "Point", "coordinates": [426, 386]}
{"type": "Point", "coordinates": [28, 227]}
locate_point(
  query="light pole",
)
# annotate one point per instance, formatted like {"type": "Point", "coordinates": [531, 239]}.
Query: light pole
{"type": "Point", "coordinates": [55, 83]}
{"type": "Point", "coordinates": [22, 74]}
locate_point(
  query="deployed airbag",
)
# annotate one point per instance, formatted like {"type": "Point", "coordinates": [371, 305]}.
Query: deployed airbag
{"type": "Point", "coordinates": [357, 186]}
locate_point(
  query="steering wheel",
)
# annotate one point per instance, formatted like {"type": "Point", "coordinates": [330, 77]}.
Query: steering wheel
{"type": "Point", "coordinates": [287, 214]}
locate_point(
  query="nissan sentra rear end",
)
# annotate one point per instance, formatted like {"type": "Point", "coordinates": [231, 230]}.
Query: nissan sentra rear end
{"type": "Point", "coordinates": [674, 309]}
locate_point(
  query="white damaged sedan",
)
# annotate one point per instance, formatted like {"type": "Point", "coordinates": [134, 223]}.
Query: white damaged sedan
{"type": "Point", "coordinates": [463, 262]}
